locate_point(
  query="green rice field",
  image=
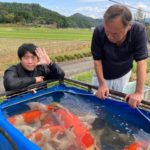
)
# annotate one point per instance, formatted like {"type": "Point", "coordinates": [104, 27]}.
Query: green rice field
{"type": "Point", "coordinates": [44, 33]}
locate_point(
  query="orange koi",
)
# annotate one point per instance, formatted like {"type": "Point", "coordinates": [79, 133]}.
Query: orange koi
{"type": "Point", "coordinates": [137, 145]}
{"type": "Point", "coordinates": [38, 112]}
{"type": "Point", "coordinates": [68, 121]}
{"type": "Point", "coordinates": [27, 117]}
{"type": "Point", "coordinates": [57, 125]}
{"type": "Point", "coordinates": [82, 135]}
{"type": "Point", "coordinates": [47, 120]}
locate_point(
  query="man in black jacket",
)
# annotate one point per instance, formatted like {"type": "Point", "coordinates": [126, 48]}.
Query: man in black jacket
{"type": "Point", "coordinates": [35, 66]}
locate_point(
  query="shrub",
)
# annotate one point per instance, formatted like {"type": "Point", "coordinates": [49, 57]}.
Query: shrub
{"type": "Point", "coordinates": [67, 57]}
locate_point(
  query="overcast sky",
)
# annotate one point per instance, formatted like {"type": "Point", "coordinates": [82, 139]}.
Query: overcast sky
{"type": "Point", "coordinates": [92, 8]}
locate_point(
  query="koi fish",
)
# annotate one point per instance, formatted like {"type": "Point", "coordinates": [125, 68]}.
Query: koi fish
{"type": "Point", "coordinates": [138, 145]}
{"type": "Point", "coordinates": [57, 126]}
{"type": "Point", "coordinates": [47, 146]}
{"type": "Point", "coordinates": [82, 135]}
{"type": "Point", "coordinates": [45, 134]}
{"type": "Point", "coordinates": [55, 137]}
{"type": "Point", "coordinates": [38, 112]}
{"type": "Point", "coordinates": [25, 129]}
{"type": "Point", "coordinates": [42, 107]}
{"type": "Point", "coordinates": [28, 117]}
{"type": "Point", "coordinates": [68, 121]}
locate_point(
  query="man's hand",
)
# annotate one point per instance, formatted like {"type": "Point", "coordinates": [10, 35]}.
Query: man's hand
{"type": "Point", "coordinates": [102, 91]}
{"type": "Point", "coordinates": [39, 79]}
{"type": "Point", "coordinates": [43, 57]}
{"type": "Point", "coordinates": [134, 99]}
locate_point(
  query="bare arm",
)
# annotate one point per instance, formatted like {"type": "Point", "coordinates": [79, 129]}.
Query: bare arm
{"type": "Point", "coordinates": [99, 71]}
{"type": "Point", "coordinates": [141, 76]}
{"type": "Point", "coordinates": [103, 90]}
{"type": "Point", "coordinates": [135, 99]}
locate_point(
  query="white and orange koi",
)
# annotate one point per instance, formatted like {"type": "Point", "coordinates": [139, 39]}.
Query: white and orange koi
{"type": "Point", "coordinates": [45, 134]}
{"type": "Point", "coordinates": [55, 137]}
{"type": "Point", "coordinates": [70, 121]}
{"type": "Point", "coordinates": [25, 129]}
{"type": "Point", "coordinates": [42, 107]}
{"type": "Point", "coordinates": [82, 135]}
{"type": "Point", "coordinates": [58, 125]}
{"type": "Point", "coordinates": [28, 117]}
{"type": "Point", "coordinates": [38, 112]}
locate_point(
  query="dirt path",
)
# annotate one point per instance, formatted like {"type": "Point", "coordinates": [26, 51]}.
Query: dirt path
{"type": "Point", "coordinates": [77, 66]}
{"type": "Point", "coordinates": [70, 68]}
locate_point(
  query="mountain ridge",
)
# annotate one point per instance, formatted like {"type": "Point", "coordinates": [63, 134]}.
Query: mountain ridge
{"type": "Point", "coordinates": [25, 13]}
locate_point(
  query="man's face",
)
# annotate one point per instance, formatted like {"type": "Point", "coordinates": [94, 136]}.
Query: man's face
{"type": "Point", "coordinates": [29, 61]}
{"type": "Point", "coordinates": [116, 31]}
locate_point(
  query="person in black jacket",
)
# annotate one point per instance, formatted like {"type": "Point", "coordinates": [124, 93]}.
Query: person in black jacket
{"type": "Point", "coordinates": [35, 66]}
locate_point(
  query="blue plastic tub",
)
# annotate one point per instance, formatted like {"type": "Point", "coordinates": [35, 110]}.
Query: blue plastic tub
{"type": "Point", "coordinates": [115, 114]}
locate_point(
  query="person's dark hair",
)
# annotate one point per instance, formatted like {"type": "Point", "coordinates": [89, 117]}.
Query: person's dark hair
{"type": "Point", "coordinates": [115, 11]}
{"type": "Point", "coordinates": [24, 48]}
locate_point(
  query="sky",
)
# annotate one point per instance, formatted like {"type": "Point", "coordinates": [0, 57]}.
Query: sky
{"type": "Point", "coordinates": [91, 8]}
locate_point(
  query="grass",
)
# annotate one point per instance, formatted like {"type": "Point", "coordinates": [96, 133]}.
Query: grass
{"type": "Point", "coordinates": [133, 75]}
{"type": "Point", "coordinates": [87, 76]}
{"type": "Point", "coordinates": [84, 77]}
{"type": "Point", "coordinates": [17, 32]}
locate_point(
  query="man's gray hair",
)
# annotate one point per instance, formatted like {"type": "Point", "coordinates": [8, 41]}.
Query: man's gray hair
{"type": "Point", "coordinates": [115, 11]}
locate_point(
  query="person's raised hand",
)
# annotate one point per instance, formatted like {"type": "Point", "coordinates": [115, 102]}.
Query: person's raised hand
{"type": "Point", "coordinates": [43, 57]}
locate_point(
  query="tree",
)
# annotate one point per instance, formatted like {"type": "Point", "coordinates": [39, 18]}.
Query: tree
{"type": "Point", "coordinates": [140, 15]}
{"type": "Point", "coordinates": [9, 18]}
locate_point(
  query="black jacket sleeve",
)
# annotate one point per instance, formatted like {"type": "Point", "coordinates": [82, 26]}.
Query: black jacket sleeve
{"type": "Point", "coordinates": [16, 78]}
{"type": "Point", "coordinates": [53, 72]}
{"type": "Point", "coordinates": [13, 82]}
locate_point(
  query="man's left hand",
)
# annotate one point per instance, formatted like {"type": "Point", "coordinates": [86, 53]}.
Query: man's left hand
{"type": "Point", "coordinates": [134, 99]}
